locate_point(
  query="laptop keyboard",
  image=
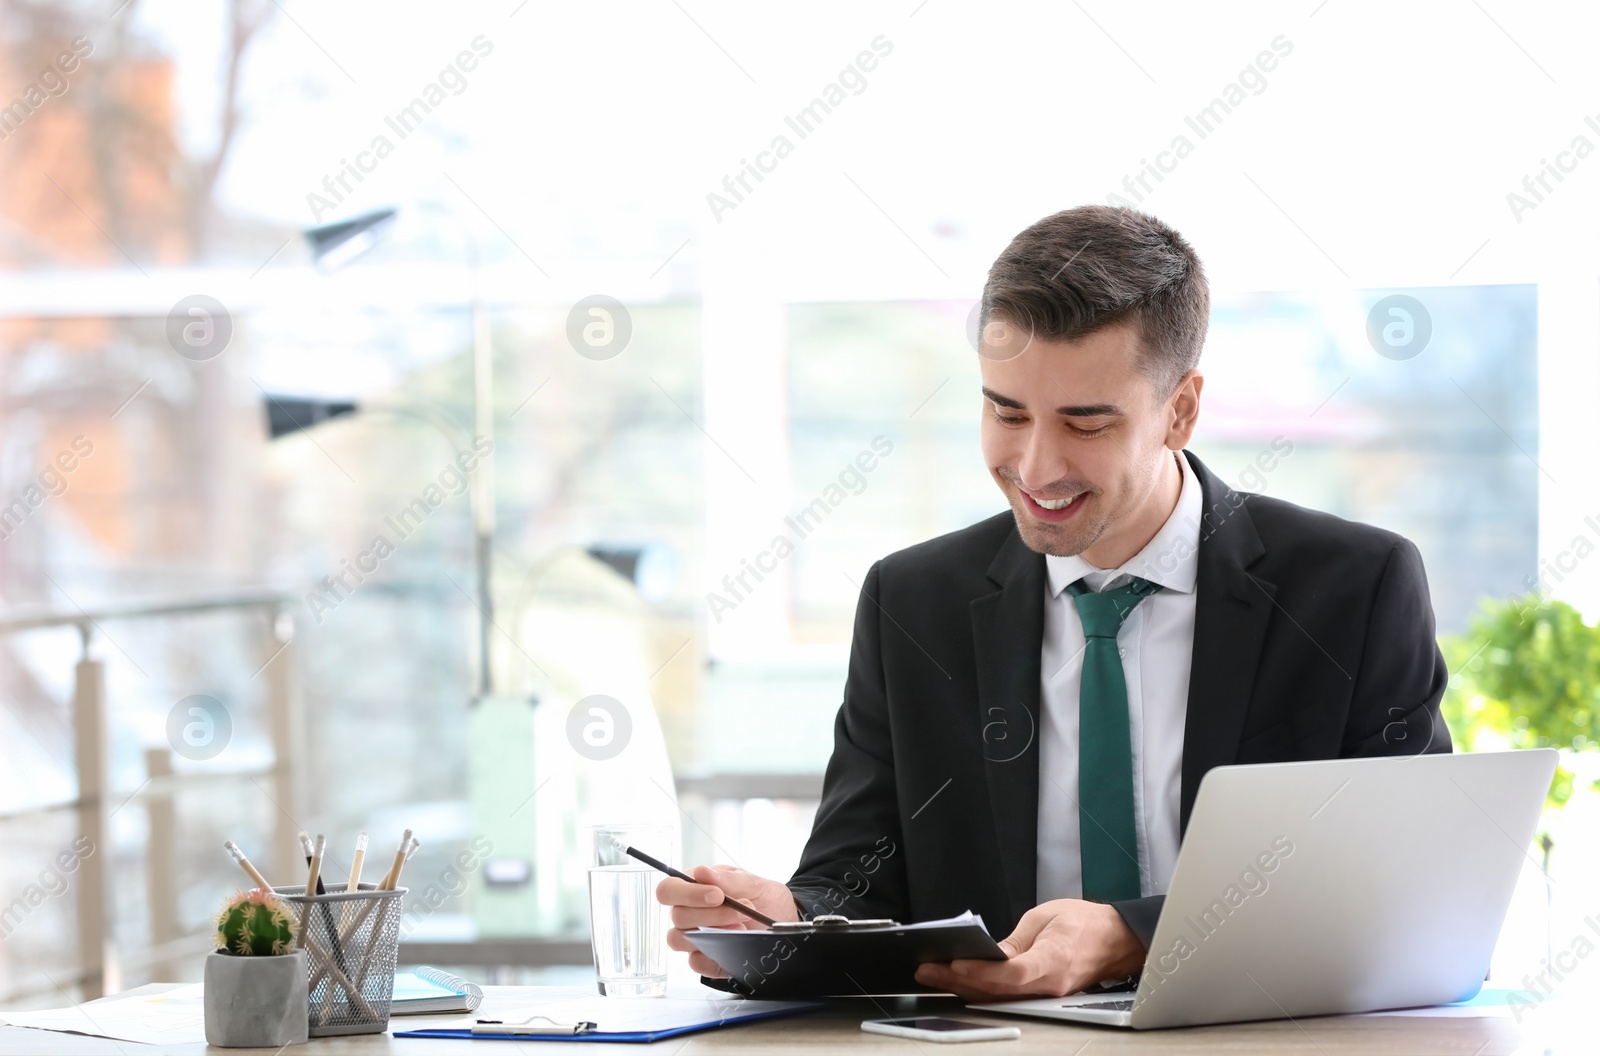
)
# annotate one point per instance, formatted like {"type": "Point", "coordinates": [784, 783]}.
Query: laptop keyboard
{"type": "Point", "coordinates": [1123, 1005]}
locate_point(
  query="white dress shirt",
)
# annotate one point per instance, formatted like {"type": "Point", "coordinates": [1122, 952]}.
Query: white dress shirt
{"type": "Point", "coordinates": [1156, 642]}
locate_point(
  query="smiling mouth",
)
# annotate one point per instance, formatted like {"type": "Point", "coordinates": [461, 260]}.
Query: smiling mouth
{"type": "Point", "coordinates": [1053, 510]}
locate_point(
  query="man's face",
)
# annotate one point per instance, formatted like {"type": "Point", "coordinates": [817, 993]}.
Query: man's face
{"type": "Point", "coordinates": [1079, 440]}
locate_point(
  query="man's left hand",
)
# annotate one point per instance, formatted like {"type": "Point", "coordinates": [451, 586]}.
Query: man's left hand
{"type": "Point", "coordinates": [1058, 948]}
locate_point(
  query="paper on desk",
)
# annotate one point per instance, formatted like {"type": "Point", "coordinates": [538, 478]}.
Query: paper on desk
{"type": "Point", "coordinates": [171, 1017]}
{"type": "Point", "coordinates": [682, 1007]}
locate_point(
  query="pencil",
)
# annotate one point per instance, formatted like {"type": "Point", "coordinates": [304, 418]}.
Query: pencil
{"type": "Point", "coordinates": [393, 875]}
{"type": "Point", "coordinates": [407, 849]}
{"type": "Point", "coordinates": [321, 888]}
{"type": "Point", "coordinates": [355, 863]}
{"type": "Point", "coordinates": [731, 903]}
{"type": "Point", "coordinates": [316, 865]}
{"type": "Point", "coordinates": [310, 850]}
{"type": "Point", "coordinates": [244, 863]}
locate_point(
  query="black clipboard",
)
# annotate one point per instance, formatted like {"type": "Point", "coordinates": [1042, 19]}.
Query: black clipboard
{"type": "Point", "coordinates": [831, 956]}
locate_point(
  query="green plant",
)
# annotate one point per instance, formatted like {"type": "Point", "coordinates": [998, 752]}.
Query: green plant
{"type": "Point", "coordinates": [1525, 675]}
{"type": "Point", "coordinates": [254, 924]}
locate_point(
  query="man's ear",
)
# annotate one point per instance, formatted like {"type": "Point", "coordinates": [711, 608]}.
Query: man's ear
{"type": "Point", "coordinates": [1183, 410]}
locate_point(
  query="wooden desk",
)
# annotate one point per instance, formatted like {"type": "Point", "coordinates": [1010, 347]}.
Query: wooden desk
{"type": "Point", "coordinates": [837, 1029]}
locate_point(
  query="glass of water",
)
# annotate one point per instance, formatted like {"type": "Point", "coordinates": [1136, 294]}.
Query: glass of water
{"type": "Point", "coordinates": [625, 923]}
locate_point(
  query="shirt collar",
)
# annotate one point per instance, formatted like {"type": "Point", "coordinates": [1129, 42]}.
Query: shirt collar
{"type": "Point", "coordinates": [1171, 558]}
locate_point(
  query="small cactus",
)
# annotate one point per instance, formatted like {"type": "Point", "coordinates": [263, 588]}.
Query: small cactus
{"type": "Point", "coordinates": [254, 924]}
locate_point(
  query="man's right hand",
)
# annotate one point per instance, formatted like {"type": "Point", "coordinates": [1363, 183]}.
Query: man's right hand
{"type": "Point", "coordinates": [700, 906]}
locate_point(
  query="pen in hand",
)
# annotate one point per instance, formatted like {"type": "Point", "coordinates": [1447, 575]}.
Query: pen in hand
{"type": "Point", "coordinates": [731, 903]}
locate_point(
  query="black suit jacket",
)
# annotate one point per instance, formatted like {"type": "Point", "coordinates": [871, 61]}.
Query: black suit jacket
{"type": "Point", "coordinates": [1314, 639]}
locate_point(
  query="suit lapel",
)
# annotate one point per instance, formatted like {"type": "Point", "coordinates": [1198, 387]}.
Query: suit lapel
{"type": "Point", "coordinates": [1007, 631]}
{"type": "Point", "coordinates": [1232, 611]}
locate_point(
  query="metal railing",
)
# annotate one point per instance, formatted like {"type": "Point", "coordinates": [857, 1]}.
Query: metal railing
{"type": "Point", "coordinates": [99, 962]}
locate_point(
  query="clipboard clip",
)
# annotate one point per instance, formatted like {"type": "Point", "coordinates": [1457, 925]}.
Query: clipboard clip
{"type": "Point", "coordinates": [831, 922]}
{"type": "Point", "coordinates": [529, 1026]}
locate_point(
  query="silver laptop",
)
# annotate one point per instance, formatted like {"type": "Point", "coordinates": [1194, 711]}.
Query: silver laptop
{"type": "Point", "coordinates": [1349, 885]}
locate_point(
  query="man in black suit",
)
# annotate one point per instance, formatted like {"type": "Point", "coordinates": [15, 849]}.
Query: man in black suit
{"type": "Point", "coordinates": [1032, 701]}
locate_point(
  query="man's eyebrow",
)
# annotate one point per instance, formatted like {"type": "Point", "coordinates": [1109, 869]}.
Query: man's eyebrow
{"type": "Point", "coordinates": [1002, 401]}
{"type": "Point", "coordinates": [1088, 410]}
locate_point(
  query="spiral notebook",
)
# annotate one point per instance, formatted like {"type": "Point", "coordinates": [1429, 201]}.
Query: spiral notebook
{"type": "Point", "coordinates": [431, 992]}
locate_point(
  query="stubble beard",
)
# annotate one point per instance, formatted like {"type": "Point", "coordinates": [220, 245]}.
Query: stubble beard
{"type": "Point", "coordinates": [1057, 540]}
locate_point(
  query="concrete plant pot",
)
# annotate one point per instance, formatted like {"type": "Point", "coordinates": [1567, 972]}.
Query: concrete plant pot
{"type": "Point", "coordinates": [255, 1002]}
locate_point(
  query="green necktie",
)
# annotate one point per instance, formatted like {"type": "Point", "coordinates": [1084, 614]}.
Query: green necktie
{"type": "Point", "coordinates": [1107, 844]}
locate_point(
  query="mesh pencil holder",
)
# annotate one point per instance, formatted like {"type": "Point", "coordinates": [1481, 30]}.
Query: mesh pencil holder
{"type": "Point", "coordinates": [352, 941]}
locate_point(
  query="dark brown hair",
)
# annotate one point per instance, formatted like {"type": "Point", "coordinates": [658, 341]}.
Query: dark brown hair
{"type": "Point", "coordinates": [1084, 269]}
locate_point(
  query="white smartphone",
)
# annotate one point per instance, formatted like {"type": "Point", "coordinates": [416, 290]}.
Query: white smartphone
{"type": "Point", "coordinates": [932, 1028]}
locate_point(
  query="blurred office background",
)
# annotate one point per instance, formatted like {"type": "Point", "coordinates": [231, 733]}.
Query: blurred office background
{"type": "Point", "coordinates": [253, 603]}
